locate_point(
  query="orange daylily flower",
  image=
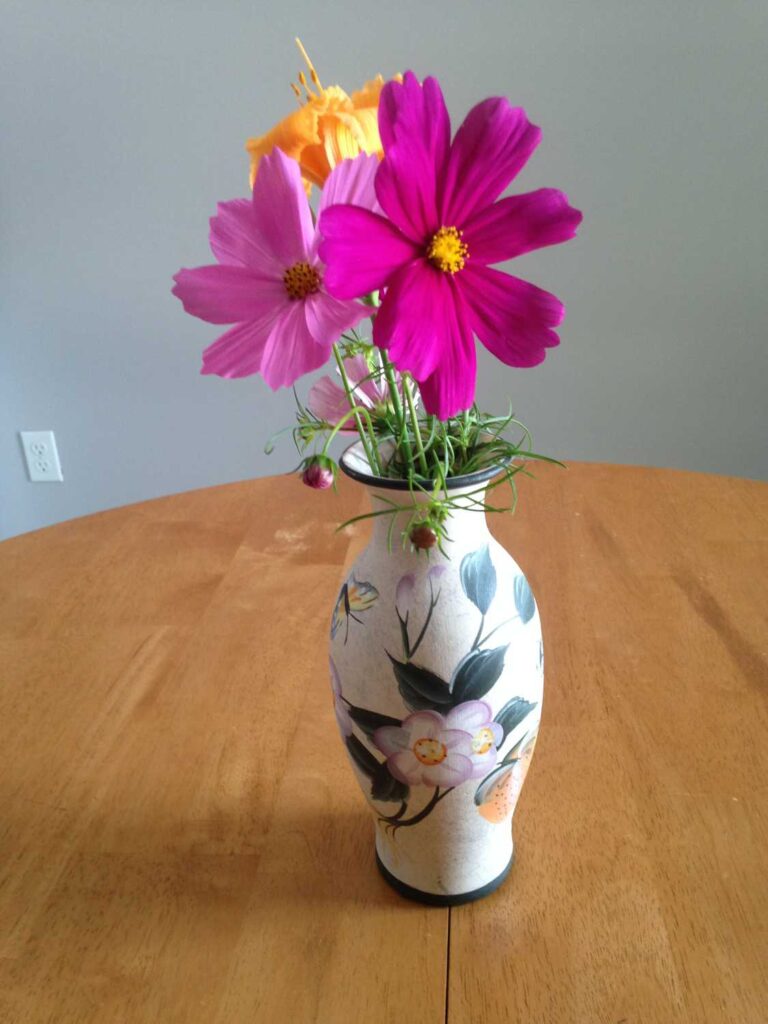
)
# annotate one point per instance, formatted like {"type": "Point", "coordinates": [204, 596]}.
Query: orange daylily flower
{"type": "Point", "coordinates": [329, 127]}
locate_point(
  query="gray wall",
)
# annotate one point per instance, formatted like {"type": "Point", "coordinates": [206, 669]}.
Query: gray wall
{"type": "Point", "coordinates": [123, 123]}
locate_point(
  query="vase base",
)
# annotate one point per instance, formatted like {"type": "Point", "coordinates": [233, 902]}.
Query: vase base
{"type": "Point", "coordinates": [436, 899]}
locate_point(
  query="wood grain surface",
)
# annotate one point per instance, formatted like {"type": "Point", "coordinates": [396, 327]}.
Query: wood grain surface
{"type": "Point", "coordinates": [181, 839]}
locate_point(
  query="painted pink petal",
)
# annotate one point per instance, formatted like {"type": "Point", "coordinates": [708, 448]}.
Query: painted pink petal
{"type": "Point", "coordinates": [290, 351]}
{"type": "Point", "coordinates": [423, 725]}
{"type": "Point", "coordinates": [490, 148]}
{"type": "Point", "coordinates": [234, 239]}
{"type": "Point", "coordinates": [239, 352]}
{"type": "Point", "coordinates": [512, 318]}
{"type": "Point", "coordinates": [391, 739]}
{"type": "Point", "coordinates": [450, 388]}
{"type": "Point", "coordinates": [416, 130]}
{"type": "Point", "coordinates": [405, 767]}
{"type": "Point", "coordinates": [498, 733]}
{"type": "Point", "coordinates": [470, 716]}
{"type": "Point", "coordinates": [483, 763]}
{"type": "Point", "coordinates": [226, 295]}
{"type": "Point", "coordinates": [327, 401]}
{"type": "Point", "coordinates": [457, 740]}
{"type": "Point", "coordinates": [360, 250]}
{"type": "Point", "coordinates": [409, 319]}
{"type": "Point", "coordinates": [327, 317]}
{"type": "Point", "coordinates": [281, 210]}
{"type": "Point", "coordinates": [519, 224]}
{"type": "Point", "coordinates": [454, 770]}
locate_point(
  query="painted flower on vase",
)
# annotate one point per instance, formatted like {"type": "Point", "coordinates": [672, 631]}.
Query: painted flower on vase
{"type": "Point", "coordinates": [476, 718]}
{"type": "Point", "coordinates": [442, 228]}
{"type": "Point", "coordinates": [343, 718]}
{"type": "Point", "coordinates": [423, 750]}
{"type": "Point", "coordinates": [269, 279]}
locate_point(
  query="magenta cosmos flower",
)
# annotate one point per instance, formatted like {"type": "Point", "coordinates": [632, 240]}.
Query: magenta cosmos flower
{"type": "Point", "coordinates": [269, 278]}
{"type": "Point", "coordinates": [443, 225]}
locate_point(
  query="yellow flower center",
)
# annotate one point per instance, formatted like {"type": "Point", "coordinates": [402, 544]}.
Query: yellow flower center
{"type": "Point", "coordinates": [482, 741]}
{"type": "Point", "coordinates": [430, 752]}
{"type": "Point", "coordinates": [301, 280]}
{"type": "Point", "coordinates": [447, 251]}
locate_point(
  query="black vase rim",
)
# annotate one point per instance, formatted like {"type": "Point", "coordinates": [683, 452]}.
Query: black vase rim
{"type": "Point", "coordinates": [384, 483]}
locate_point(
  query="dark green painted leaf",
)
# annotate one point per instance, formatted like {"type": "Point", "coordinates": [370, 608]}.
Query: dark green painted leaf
{"type": "Point", "coordinates": [386, 787]}
{"type": "Point", "coordinates": [512, 714]}
{"type": "Point", "coordinates": [404, 635]}
{"type": "Point", "coordinates": [524, 601]}
{"type": "Point", "coordinates": [420, 688]}
{"type": "Point", "coordinates": [370, 721]}
{"type": "Point", "coordinates": [478, 578]}
{"type": "Point", "coordinates": [498, 773]}
{"type": "Point", "coordinates": [476, 673]}
{"type": "Point", "coordinates": [362, 756]}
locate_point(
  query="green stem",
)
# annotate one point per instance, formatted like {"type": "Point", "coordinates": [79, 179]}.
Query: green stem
{"type": "Point", "coordinates": [369, 444]}
{"type": "Point", "coordinates": [404, 443]}
{"type": "Point", "coordinates": [416, 428]}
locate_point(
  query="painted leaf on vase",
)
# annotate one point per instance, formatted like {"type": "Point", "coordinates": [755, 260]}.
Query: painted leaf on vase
{"type": "Point", "coordinates": [420, 689]}
{"type": "Point", "coordinates": [513, 713]}
{"type": "Point", "coordinates": [478, 578]}
{"type": "Point", "coordinates": [361, 755]}
{"type": "Point", "coordinates": [370, 721]}
{"type": "Point", "coordinates": [385, 787]}
{"type": "Point", "coordinates": [524, 602]}
{"type": "Point", "coordinates": [477, 673]}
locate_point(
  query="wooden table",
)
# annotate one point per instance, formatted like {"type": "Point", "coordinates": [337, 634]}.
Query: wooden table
{"type": "Point", "coordinates": [181, 843]}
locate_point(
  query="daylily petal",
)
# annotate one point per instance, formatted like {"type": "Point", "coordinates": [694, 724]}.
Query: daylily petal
{"type": "Point", "coordinates": [227, 294]}
{"type": "Point", "coordinates": [407, 321]}
{"type": "Point", "coordinates": [520, 224]}
{"type": "Point", "coordinates": [360, 250]}
{"type": "Point", "coordinates": [290, 351]}
{"type": "Point", "coordinates": [512, 318]}
{"type": "Point", "coordinates": [415, 128]}
{"type": "Point", "coordinates": [327, 317]}
{"type": "Point", "coordinates": [491, 147]}
{"type": "Point", "coordinates": [450, 388]}
{"type": "Point", "coordinates": [234, 239]}
{"type": "Point", "coordinates": [239, 352]}
{"type": "Point", "coordinates": [454, 770]}
{"type": "Point", "coordinates": [281, 210]}
{"type": "Point", "coordinates": [470, 716]}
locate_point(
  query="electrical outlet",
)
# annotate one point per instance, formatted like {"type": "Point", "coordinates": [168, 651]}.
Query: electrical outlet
{"type": "Point", "coordinates": [41, 455]}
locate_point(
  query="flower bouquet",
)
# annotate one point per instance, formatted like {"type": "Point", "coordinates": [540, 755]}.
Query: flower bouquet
{"type": "Point", "coordinates": [436, 665]}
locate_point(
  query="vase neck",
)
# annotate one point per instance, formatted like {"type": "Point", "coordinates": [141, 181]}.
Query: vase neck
{"type": "Point", "coordinates": [465, 527]}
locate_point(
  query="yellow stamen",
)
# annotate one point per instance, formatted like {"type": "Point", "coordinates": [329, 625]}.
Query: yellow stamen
{"type": "Point", "coordinates": [447, 251]}
{"type": "Point", "coordinates": [312, 73]}
{"type": "Point", "coordinates": [301, 280]}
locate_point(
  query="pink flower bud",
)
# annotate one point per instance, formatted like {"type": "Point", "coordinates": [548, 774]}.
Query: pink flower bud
{"type": "Point", "coordinates": [318, 475]}
{"type": "Point", "coordinates": [404, 592]}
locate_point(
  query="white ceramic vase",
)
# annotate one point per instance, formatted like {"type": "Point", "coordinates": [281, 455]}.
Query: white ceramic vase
{"type": "Point", "coordinates": [437, 676]}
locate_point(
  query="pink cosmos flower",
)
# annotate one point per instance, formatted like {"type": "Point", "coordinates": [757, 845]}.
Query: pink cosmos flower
{"type": "Point", "coordinates": [328, 401]}
{"type": "Point", "coordinates": [476, 718]}
{"type": "Point", "coordinates": [269, 278]}
{"type": "Point", "coordinates": [442, 228]}
{"type": "Point", "coordinates": [423, 749]}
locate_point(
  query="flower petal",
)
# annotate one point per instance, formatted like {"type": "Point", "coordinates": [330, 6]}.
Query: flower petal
{"type": "Point", "coordinates": [470, 716]}
{"type": "Point", "coordinates": [498, 733]}
{"type": "Point", "coordinates": [405, 767]}
{"type": "Point", "coordinates": [520, 224]}
{"type": "Point", "coordinates": [369, 389]}
{"type": "Point", "coordinates": [291, 351]}
{"type": "Point", "coordinates": [483, 763]}
{"type": "Point", "coordinates": [415, 128]}
{"type": "Point", "coordinates": [234, 239]}
{"type": "Point", "coordinates": [457, 740]}
{"type": "Point", "coordinates": [409, 319]}
{"type": "Point", "coordinates": [327, 317]}
{"type": "Point", "coordinates": [390, 739]}
{"type": "Point", "coordinates": [423, 725]}
{"type": "Point", "coordinates": [281, 210]}
{"type": "Point", "coordinates": [454, 770]}
{"type": "Point", "coordinates": [450, 388]}
{"type": "Point", "coordinates": [490, 148]}
{"type": "Point", "coordinates": [361, 250]}
{"type": "Point", "coordinates": [228, 294]}
{"type": "Point", "coordinates": [511, 317]}
{"type": "Point", "coordinates": [239, 352]}
{"type": "Point", "coordinates": [352, 181]}
{"type": "Point", "coordinates": [327, 401]}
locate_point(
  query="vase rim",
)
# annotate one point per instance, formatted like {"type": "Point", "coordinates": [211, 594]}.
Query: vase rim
{"type": "Point", "coordinates": [355, 465]}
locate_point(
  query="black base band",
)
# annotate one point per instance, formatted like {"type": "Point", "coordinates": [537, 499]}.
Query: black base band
{"type": "Point", "coordinates": [435, 899]}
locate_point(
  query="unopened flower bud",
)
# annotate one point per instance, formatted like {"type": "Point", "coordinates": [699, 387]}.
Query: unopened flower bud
{"type": "Point", "coordinates": [423, 537]}
{"type": "Point", "coordinates": [318, 473]}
